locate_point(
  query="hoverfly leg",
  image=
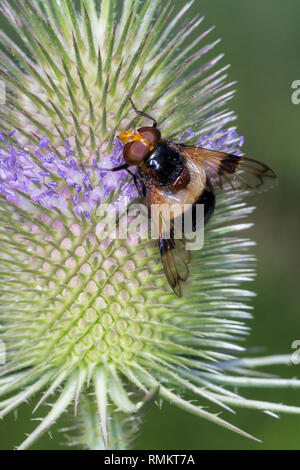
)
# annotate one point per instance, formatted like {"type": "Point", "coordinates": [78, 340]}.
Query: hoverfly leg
{"type": "Point", "coordinates": [118, 168]}
{"type": "Point", "coordinates": [134, 177]}
{"type": "Point", "coordinates": [141, 113]}
{"type": "Point", "coordinates": [136, 184]}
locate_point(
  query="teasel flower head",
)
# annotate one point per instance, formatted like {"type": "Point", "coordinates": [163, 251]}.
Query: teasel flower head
{"type": "Point", "coordinates": [89, 323]}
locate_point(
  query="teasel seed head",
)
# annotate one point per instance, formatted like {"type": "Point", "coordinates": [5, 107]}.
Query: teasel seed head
{"type": "Point", "coordinates": [90, 322]}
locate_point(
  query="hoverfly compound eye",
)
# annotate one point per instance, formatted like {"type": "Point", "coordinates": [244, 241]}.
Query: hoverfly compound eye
{"type": "Point", "coordinates": [151, 134]}
{"type": "Point", "coordinates": [135, 152]}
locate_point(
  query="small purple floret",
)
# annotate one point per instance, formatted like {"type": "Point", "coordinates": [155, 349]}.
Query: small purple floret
{"type": "Point", "coordinates": [224, 140]}
{"type": "Point", "coordinates": [43, 143]}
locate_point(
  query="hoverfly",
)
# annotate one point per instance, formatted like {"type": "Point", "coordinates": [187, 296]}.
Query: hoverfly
{"type": "Point", "coordinates": [177, 173]}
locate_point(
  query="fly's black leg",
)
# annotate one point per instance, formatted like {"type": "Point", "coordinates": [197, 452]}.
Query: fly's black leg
{"type": "Point", "coordinates": [141, 113]}
{"type": "Point", "coordinates": [135, 180]}
{"type": "Point", "coordinates": [134, 177]}
{"type": "Point", "coordinates": [118, 168]}
{"type": "Point", "coordinates": [141, 191]}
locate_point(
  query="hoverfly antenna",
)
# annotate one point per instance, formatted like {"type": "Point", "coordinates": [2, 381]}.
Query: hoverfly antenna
{"type": "Point", "coordinates": [141, 113]}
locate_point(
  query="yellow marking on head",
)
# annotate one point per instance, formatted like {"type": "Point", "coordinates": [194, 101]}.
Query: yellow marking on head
{"type": "Point", "coordinates": [134, 136]}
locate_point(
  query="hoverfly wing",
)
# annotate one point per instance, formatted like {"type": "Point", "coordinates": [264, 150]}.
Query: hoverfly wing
{"type": "Point", "coordinates": [175, 258]}
{"type": "Point", "coordinates": [174, 263]}
{"type": "Point", "coordinates": [229, 171]}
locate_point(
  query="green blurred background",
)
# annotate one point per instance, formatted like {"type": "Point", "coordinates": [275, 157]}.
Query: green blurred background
{"type": "Point", "coordinates": [261, 40]}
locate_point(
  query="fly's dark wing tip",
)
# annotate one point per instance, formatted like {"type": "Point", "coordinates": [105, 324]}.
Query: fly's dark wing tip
{"type": "Point", "coordinates": [184, 277]}
{"type": "Point", "coordinates": [177, 290]}
{"type": "Point", "coordinates": [170, 269]}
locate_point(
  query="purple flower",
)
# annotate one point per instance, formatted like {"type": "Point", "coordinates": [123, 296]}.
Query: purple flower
{"type": "Point", "coordinates": [223, 140]}
{"type": "Point", "coordinates": [64, 184]}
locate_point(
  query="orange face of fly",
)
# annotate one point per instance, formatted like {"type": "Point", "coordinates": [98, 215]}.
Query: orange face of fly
{"type": "Point", "coordinates": [139, 144]}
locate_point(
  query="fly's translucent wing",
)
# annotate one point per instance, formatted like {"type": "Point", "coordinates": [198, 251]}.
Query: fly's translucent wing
{"type": "Point", "coordinates": [175, 258]}
{"type": "Point", "coordinates": [230, 171]}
